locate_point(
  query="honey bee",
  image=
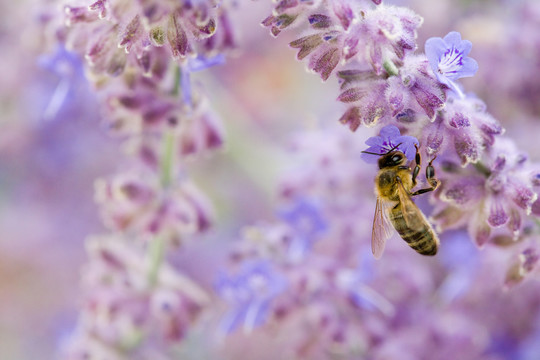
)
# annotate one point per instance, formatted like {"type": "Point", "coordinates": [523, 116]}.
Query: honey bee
{"type": "Point", "coordinates": [393, 186]}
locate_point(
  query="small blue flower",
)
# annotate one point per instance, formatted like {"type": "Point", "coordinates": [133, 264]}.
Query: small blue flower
{"type": "Point", "coordinates": [307, 222]}
{"type": "Point", "coordinates": [67, 66]}
{"type": "Point", "coordinates": [355, 283]}
{"type": "Point", "coordinates": [250, 294]}
{"type": "Point", "coordinates": [193, 65]}
{"type": "Point", "coordinates": [449, 61]}
{"type": "Point", "coordinates": [389, 138]}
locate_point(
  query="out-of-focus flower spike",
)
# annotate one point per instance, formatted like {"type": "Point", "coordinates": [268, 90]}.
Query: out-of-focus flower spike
{"type": "Point", "coordinates": [352, 118]}
{"type": "Point", "coordinates": [515, 223]}
{"type": "Point", "coordinates": [202, 25]}
{"type": "Point", "coordinates": [448, 218]}
{"type": "Point", "coordinates": [250, 293]}
{"type": "Point", "coordinates": [170, 278]}
{"type": "Point", "coordinates": [144, 60]}
{"type": "Point", "coordinates": [497, 215]}
{"type": "Point", "coordinates": [81, 14]}
{"type": "Point", "coordinates": [525, 263]}
{"type": "Point", "coordinates": [479, 230]}
{"type": "Point", "coordinates": [178, 40]}
{"type": "Point", "coordinates": [202, 132]}
{"type": "Point", "coordinates": [130, 34]}
{"type": "Point", "coordinates": [228, 38]}
{"type": "Point", "coordinates": [157, 36]}
{"type": "Point", "coordinates": [307, 223]}
{"type": "Point", "coordinates": [522, 194]}
{"type": "Point", "coordinates": [101, 7]}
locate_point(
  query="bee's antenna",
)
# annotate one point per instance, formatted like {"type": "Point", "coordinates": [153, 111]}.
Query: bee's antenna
{"type": "Point", "coordinates": [388, 152]}
{"type": "Point", "coordinates": [392, 149]}
{"type": "Point", "coordinates": [371, 153]}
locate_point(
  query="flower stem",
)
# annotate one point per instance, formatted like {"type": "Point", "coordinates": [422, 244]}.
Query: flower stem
{"type": "Point", "coordinates": [177, 81]}
{"type": "Point", "coordinates": [157, 253]}
{"type": "Point", "coordinates": [167, 159]}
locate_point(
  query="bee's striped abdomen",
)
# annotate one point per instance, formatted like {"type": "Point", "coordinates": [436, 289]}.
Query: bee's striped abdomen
{"type": "Point", "coordinates": [418, 233]}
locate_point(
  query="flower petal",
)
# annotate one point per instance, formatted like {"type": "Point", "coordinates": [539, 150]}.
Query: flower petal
{"type": "Point", "coordinates": [374, 141]}
{"type": "Point", "coordinates": [453, 38]}
{"type": "Point", "coordinates": [464, 47]}
{"type": "Point", "coordinates": [389, 132]}
{"type": "Point", "coordinates": [469, 67]}
{"type": "Point", "coordinates": [407, 145]}
{"type": "Point", "coordinates": [434, 47]}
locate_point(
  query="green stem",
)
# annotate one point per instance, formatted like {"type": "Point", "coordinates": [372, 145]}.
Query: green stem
{"type": "Point", "coordinates": [157, 253]}
{"type": "Point", "coordinates": [168, 159]}
{"type": "Point", "coordinates": [536, 221]}
{"type": "Point", "coordinates": [177, 81]}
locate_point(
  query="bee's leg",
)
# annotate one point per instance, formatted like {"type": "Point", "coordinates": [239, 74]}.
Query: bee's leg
{"type": "Point", "coordinates": [418, 164]}
{"type": "Point", "coordinates": [430, 176]}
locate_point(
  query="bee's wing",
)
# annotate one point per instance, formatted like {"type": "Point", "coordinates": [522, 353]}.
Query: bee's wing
{"type": "Point", "coordinates": [408, 207]}
{"type": "Point", "coordinates": [382, 229]}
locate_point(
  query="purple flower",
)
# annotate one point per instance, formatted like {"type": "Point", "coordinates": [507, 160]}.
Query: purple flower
{"type": "Point", "coordinates": [389, 138]}
{"type": "Point", "coordinates": [305, 218]}
{"type": "Point", "coordinates": [68, 67]}
{"type": "Point", "coordinates": [250, 293]}
{"type": "Point", "coordinates": [448, 59]}
{"type": "Point", "coordinates": [197, 64]}
{"type": "Point", "coordinates": [307, 222]}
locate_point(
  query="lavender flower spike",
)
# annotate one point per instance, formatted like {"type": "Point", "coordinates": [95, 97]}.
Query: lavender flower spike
{"type": "Point", "coordinates": [449, 61]}
{"type": "Point", "coordinates": [388, 139]}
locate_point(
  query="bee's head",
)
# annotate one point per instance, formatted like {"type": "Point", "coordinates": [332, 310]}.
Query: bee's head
{"type": "Point", "coordinates": [391, 159]}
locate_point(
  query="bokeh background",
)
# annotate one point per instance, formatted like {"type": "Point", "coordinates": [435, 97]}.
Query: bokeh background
{"type": "Point", "coordinates": [50, 156]}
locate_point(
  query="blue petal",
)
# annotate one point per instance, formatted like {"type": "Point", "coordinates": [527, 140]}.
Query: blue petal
{"type": "Point", "coordinates": [370, 159]}
{"type": "Point", "coordinates": [469, 68]}
{"type": "Point", "coordinates": [231, 321]}
{"type": "Point", "coordinates": [464, 47]}
{"type": "Point", "coordinates": [389, 132]}
{"type": "Point", "coordinates": [305, 217]}
{"type": "Point", "coordinates": [453, 38]}
{"type": "Point", "coordinates": [256, 315]}
{"type": "Point", "coordinates": [202, 63]}
{"type": "Point", "coordinates": [185, 85]}
{"type": "Point", "coordinates": [376, 149]}
{"type": "Point", "coordinates": [434, 48]}
{"type": "Point", "coordinates": [407, 145]}
{"type": "Point", "coordinates": [374, 141]}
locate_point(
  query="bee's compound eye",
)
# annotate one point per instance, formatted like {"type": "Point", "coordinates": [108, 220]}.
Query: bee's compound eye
{"type": "Point", "coordinates": [396, 158]}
